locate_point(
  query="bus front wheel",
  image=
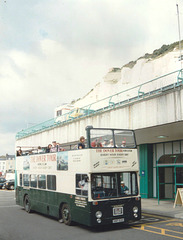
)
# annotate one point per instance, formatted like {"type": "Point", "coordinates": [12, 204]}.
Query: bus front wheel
{"type": "Point", "coordinates": [27, 205]}
{"type": "Point", "coordinates": [66, 214]}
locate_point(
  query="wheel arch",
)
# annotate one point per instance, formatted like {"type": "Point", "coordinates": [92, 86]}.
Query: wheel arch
{"type": "Point", "coordinates": [60, 208]}
{"type": "Point", "coordinates": [26, 194]}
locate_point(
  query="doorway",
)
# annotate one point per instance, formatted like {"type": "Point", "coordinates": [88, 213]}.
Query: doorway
{"type": "Point", "coordinates": [166, 183]}
{"type": "Point", "coordinates": [169, 175]}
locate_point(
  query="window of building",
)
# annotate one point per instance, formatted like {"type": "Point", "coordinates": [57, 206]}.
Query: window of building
{"type": "Point", "coordinates": [59, 113]}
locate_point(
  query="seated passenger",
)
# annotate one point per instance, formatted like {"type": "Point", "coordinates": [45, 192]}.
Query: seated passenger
{"type": "Point", "coordinates": [123, 145]}
{"type": "Point", "coordinates": [48, 148]}
{"type": "Point", "coordinates": [61, 149]}
{"type": "Point", "coordinates": [19, 152]}
{"type": "Point", "coordinates": [54, 148]}
{"type": "Point", "coordinates": [93, 144]}
{"type": "Point", "coordinates": [83, 184]}
{"type": "Point", "coordinates": [111, 143]}
{"type": "Point", "coordinates": [40, 150]}
{"type": "Point", "coordinates": [105, 143]}
{"type": "Point", "coordinates": [30, 152]}
{"type": "Point", "coordinates": [123, 188]}
{"type": "Point", "coordinates": [81, 143]}
{"type": "Point", "coordinates": [96, 143]}
{"type": "Point", "coordinates": [99, 144]}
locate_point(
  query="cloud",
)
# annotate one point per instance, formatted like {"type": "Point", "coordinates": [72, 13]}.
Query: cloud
{"type": "Point", "coordinates": [56, 51]}
{"type": "Point", "coordinates": [33, 85]}
{"type": "Point", "coordinates": [7, 143]}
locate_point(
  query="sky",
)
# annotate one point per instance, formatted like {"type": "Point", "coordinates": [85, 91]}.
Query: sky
{"type": "Point", "coordinates": [56, 51]}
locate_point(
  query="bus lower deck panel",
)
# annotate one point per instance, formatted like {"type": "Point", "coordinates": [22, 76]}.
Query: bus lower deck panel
{"type": "Point", "coordinates": [83, 212]}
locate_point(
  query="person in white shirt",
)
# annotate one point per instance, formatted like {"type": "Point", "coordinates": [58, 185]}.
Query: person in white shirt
{"type": "Point", "coordinates": [83, 184]}
{"type": "Point", "coordinates": [111, 143]}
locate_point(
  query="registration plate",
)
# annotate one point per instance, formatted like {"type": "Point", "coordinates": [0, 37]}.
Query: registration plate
{"type": "Point", "coordinates": [117, 211]}
{"type": "Point", "coordinates": [118, 220]}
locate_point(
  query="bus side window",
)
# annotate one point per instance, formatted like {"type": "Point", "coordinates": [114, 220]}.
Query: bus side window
{"type": "Point", "coordinates": [20, 179]}
{"type": "Point", "coordinates": [42, 181]}
{"type": "Point", "coordinates": [82, 184]}
{"type": "Point", "coordinates": [51, 182]}
{"type": "Point", "coordinates": [33, 180]}
{"type": "Point", "coordinates": [26, 180]}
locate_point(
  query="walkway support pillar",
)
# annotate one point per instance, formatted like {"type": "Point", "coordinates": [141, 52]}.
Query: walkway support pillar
{"type": "Point", "coordinates": [146, 170]}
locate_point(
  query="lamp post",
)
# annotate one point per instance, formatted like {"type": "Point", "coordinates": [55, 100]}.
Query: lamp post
{"type": "Point", "coordinates": [181, 57]}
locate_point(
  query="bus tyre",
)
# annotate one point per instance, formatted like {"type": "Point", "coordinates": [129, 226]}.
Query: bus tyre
{"type": "Point", "coordinates": [27, 205]}
{"type": "Point", "coordinates": [66, 214]}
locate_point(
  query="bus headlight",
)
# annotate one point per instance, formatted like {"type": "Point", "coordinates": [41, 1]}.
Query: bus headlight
{"type": "Point", "coordinates": [98, 214]}
{"type": "Point", "coordinates": [99, 220]}
{"type": "Point", "coordinates": [135, 209]}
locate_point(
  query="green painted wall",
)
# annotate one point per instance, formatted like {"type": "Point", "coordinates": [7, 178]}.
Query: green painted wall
{"type": "Point", "coordinates": [146, 170]}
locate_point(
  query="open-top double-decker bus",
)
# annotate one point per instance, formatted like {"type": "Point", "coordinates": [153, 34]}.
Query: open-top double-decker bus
{"type": "Point", "coordinates": [96, 185]}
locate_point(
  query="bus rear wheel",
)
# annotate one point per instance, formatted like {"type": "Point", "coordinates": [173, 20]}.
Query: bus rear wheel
{"type": "Point", "coordinates": [66, 214]}
{"type": "Point", "coordinates": [27, 205]}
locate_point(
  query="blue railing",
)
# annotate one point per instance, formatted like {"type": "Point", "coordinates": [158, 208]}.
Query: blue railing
{"type": "Point", "coordinates": [148, 89]}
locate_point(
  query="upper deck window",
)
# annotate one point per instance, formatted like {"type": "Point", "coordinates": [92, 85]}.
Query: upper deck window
{"type": "Point", "coordinates": [124, 138]}
{"type": "Point", "coordinates": [111, 138]}
{"type": "Point", "coordinates": [101, 138]}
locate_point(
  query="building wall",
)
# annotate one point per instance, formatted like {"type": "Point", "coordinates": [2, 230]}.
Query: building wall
{"type": "Point", "coordinates": [7, 163]}
{"type": "Point", "coordinates": [148, 157]}
{"type": "Point", "coordinates": [164, 109]}
{"type": "Point", "coordinates": [3, 166]}
{"type": "Point", "coordinates": [10, 164]}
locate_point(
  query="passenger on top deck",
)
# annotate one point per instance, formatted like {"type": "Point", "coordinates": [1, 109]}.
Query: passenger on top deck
{"type": "Point", "coordinates": [123, 144]}
{"type": "Point", "coordinates": [54, 148]}
{"type": "Point", "coordinates": [40, 150]}
{"type": "Point", "coordinates": [111, 143]}
{"type": "Point", "coordinates": [105, 143]}
{"type": "Point", "coordinates": [48, 148]}
{"type": "Point", "coordinates": [81, 143]}
{"type": "Point", "coordinates": [61, 149]}
{"type": "Point", "coordinates": [96, 143]}
{"type": "Point", "coordinates": [19, 152]}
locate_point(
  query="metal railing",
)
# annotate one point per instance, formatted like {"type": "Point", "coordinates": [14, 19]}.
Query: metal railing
{"type": "Point", "coordinates": [150, 88]}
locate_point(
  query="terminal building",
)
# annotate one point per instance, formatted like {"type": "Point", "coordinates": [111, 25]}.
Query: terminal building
{"type": "Point", "coordinates": [145, 96]}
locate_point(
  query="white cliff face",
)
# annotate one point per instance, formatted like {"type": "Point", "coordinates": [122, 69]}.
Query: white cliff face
{"type": "Point", "coordinates": [118, 80]}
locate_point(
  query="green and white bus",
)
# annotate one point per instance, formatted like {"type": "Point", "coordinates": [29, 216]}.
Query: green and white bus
{"type": "Point", "coordinates": [84, 185]}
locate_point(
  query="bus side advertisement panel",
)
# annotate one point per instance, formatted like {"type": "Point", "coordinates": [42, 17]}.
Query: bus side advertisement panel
{"type": "Point", "coordinates": [105, 160]}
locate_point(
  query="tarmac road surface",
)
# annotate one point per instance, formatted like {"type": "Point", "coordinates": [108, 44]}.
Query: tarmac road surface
{"type": "Point", "coordinates": [15, 223]}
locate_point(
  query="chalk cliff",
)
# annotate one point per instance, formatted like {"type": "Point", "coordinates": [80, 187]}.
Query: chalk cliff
{"type": "Point", "coordinates": [162, 61]}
